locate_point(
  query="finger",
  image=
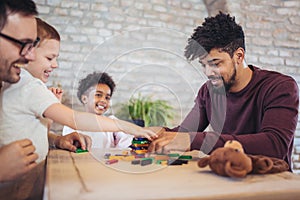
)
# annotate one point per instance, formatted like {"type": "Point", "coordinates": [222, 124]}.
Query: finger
{"type": "Point", "coordinates": [76, 143]}
{"type": "Point", "coordinates": [145, 135]}
{"type": "Point", "coordinates": [24, 142]}
{"type": "Point", "coordinates": [151, 134]}
{"type": "Point", "coordinates": [88, 142]}
{"type": "Point", "coordinates": [69, 146]}
{"type": "Point", "coordinates": [31, 165]}
{"type": "Point", "coordinates": [29, 149]}
{"type": "Point", "coordinates": [59, 91]}
{"type": "Point", "coordinates": [52, 89]}
{"type": "Point", "coordinates": [78, 140]}
{"type": "Point", "coordinates": [165, 151]}
{"type": "Point", "coordinates": [30, 162]}
{"type": "Point", "coordinates": [31, 158]}
{"type": "Point", "coordinates": [160, 145]}
{"type": "Point", "coordinates": [152, 146]}
{"type": "Point", "coordinates": [82, 142]}
{"type": "Point", "coordinates": [162, 130]}
{"type": "Point", "coordinates": [158, 148]}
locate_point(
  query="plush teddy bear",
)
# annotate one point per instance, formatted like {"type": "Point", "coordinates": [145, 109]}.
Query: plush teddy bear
{"type": "Point", "coordinates": [231, 161]}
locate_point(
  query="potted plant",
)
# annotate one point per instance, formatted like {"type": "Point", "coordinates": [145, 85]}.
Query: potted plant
{"type": "Point", "coordinates": [144, 109]}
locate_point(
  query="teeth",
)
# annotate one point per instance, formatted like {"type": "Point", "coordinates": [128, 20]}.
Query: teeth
{"type": "Point", "coordinates": [101, 107]}
{"type": "Point", "coordinates": [20, 65]}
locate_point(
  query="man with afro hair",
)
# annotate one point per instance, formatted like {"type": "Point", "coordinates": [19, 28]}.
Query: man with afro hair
{"type": "Point", "coordinates": [257, 107]}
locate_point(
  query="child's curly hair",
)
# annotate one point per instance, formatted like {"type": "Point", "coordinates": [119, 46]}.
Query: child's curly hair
{"type": "Point", "coordinates": [93, 79]}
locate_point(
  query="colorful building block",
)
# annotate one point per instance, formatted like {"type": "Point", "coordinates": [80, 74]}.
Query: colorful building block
{"type": "Point", "coordinates": [79, 150]}
{"type": "Point", "coordinates": [146, 161]}
{"type": "Point", "coordinates": [112, 161]}
{"type": "Point", "coordinates": [185, 157]}
{"type": "Point", "coordinates": [135, 162]}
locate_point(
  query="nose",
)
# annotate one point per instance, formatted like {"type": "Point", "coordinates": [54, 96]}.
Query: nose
{"type": "Point", "coordinates": [208, 70]}
{"type": "Point", "coordinates": [54, 63]}
{"type": "Point", "coordinates": [103, 99]}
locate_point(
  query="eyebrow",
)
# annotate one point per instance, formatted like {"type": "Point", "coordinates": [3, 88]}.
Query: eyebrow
{"type": "Point", "coordinates": [99, 91]}
{"type": "Point", "coordinates": [213, 60]}
{"type": "Point", "coordinates": [210, 61]}
{"type": "Point", "coordinates": [54, 55]}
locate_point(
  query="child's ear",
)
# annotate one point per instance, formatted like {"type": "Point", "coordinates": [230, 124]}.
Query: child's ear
{"type": "Point", "coordinates": [84, 99]}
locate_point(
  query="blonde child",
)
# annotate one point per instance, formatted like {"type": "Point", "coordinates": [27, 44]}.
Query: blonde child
{"type": "Point", "coordinates": [26, 106]}
{"type": "Point", "coordinates": [45, 62]}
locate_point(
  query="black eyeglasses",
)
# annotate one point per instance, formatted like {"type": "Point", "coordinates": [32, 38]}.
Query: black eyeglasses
{"type": "Point", "coordinates": [25, 46]}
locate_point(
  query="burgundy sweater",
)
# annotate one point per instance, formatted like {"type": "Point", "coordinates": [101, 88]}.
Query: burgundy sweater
{"type": "Point", "coordinates": [263, 116]}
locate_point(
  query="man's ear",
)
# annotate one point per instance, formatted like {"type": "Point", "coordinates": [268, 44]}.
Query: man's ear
{"type": "Point", "coordinates": [240, 55]}
{"type": "Point", "coordinates": [84, 99]}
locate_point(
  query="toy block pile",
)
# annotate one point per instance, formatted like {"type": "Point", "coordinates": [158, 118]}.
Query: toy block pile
{"type": "Point", "coordinates": [139, 156]}
{"type": "Point", "coordinates": [139, 146]}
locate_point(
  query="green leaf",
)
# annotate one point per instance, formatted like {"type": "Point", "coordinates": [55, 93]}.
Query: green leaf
{"type": "Point", "coordinates": [153, 112]}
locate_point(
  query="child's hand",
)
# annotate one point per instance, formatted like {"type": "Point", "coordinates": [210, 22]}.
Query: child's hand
{"type": "Point", "coordinates": [143, 132]}
{"type": "Point", "coordinates": [135, 130]}
{"type": "Point", "coordinates": [72, 141]}
{"type": "Point", "coordinates": [58, 92]}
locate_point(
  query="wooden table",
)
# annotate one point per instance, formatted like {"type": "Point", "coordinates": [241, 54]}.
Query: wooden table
{"type": "Point", "coordinates": [86, 176]}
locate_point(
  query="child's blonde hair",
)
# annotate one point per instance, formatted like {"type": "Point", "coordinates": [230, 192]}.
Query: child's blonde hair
{"type": "Point", "coordinates": [46, 31]}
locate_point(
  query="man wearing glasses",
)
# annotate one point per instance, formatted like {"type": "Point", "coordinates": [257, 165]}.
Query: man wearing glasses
{"type": "Point", "coordinates": [18, 37]}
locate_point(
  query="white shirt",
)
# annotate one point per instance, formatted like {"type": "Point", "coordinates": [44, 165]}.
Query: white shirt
{"type": "Point", "coordinates": [21, 112]}
{"type": "Point", "coordinates": [105, 140]}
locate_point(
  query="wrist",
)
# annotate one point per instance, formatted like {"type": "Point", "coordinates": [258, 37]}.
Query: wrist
{"type": "Point", "coordinates": [55, 142]}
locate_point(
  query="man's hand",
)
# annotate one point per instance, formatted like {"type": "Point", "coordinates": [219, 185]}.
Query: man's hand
{"type": "Point", "coordinates": [72, 141]}
{"type": "Point", "coordinates": [17, 158]}
{"type": "Point", "coordinates": [167, 141]}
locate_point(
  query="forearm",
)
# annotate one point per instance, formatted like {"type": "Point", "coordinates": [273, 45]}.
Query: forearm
{"type": "Point", "coordinates": [265, 143]}
{"type": "Point", "coordinates": [92, 122]}
{"type": "Point", "coordinates": [81, 120]}
{"type": "Point", "coordinates": [205, 141]}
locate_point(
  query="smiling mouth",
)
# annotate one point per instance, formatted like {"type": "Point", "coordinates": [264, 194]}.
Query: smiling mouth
{"type": "Point", "coordinates": [215, 78]}
{"type": "Point", "coordinates": [100, 107]}
{"type": "Point", "coordinates": [47, 73]}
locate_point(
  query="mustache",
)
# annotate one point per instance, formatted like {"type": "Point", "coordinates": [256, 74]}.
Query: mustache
{"type": "Point", "coordinates": [23, 61]}
{"type": "Point", "coordinates": [214, 77]}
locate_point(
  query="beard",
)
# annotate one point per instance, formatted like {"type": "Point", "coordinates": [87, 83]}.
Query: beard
{"type": "Point", "coordinates": [225, 87]}
{"type": "Point", "coordinates": [10, 75]}
{"type": "Point", "coordinates": [9, 72]}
